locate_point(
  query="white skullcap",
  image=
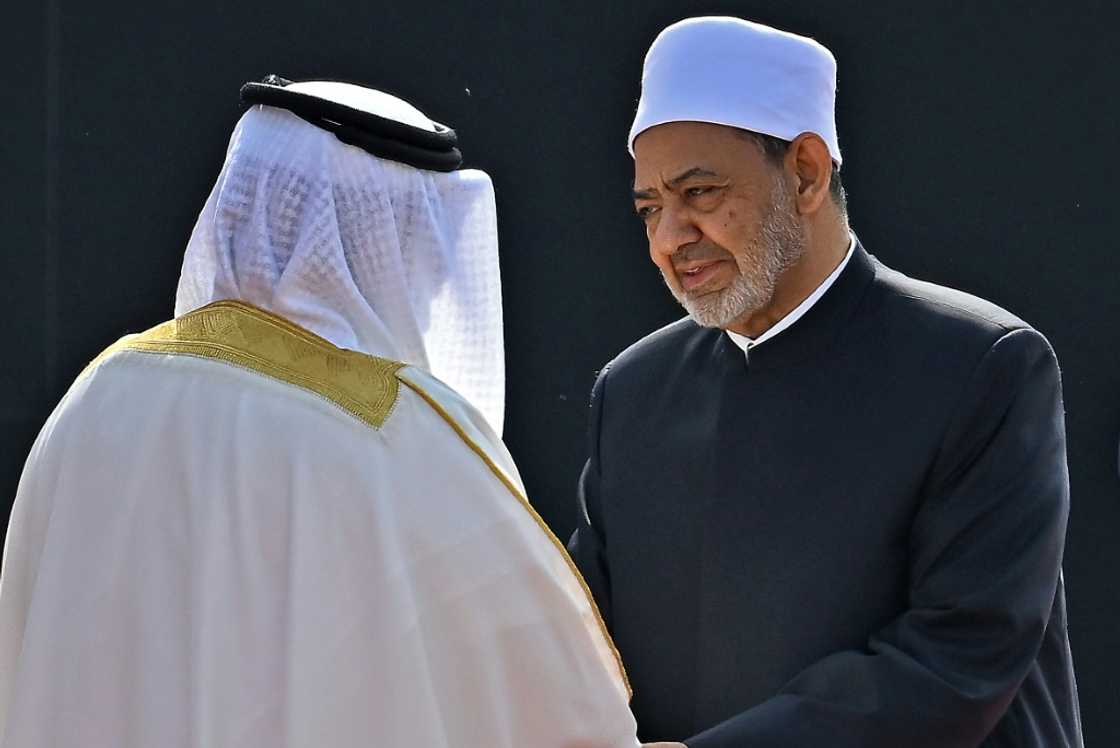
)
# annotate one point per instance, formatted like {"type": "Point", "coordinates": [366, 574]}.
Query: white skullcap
{"type": "Point", "coordinates": [728, 71]}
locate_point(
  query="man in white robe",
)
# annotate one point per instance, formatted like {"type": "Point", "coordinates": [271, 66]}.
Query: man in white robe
{"type": "Point", "coordinates": [285, 518]}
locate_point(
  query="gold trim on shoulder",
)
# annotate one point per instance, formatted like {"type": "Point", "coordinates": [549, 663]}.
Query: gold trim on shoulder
{"type": "Point", "coordinates": [245, 336]}
{"type": "Point", "coordinates": [514, 489]}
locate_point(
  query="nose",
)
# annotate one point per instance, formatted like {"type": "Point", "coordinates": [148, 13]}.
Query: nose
{"type": "Point", "coordinates": [674, 229]}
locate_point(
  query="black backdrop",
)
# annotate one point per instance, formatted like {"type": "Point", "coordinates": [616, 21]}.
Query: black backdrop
{"type": "Point", "coordinates": [979, 153]}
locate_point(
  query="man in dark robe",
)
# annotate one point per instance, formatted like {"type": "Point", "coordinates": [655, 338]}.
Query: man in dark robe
{"type": "Point", "coordinates": [827, 509]}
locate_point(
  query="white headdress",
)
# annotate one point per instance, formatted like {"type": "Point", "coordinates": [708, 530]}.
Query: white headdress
{"type": "Point", "coordinates": [728, 71]}
{"type": "Point", "coordinates": [372, 255]}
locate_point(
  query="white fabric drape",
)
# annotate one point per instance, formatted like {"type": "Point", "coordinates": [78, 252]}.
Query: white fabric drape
{"type": "Point", "coordinates": [203, 557]}
{"type": "Point", "coordinates": [372, 255]}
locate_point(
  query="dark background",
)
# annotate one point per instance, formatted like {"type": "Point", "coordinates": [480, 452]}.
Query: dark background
{"type": "Point", "coordinates": [979, 143]}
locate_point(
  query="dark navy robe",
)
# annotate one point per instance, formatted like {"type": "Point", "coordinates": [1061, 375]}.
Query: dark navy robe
{"type": "Point", "coordinates": [852, 540]}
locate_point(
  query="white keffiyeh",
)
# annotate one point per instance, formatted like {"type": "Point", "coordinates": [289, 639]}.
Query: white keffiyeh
{"type": "Point", "coordinates": [370, 254]}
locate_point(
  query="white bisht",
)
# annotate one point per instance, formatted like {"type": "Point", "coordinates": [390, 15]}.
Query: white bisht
{"type": "Point", "coordinates": [268, 523]}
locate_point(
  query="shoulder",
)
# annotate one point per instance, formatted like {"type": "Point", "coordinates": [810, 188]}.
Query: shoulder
{"type": "Point", "coordinates": [466, 421]}
{"type": "Point", "coordinates": [257, 344]}
{"type": "Point", "coordinates": [955, 338]}
{"type": "Point", "coordinates": [940, 310]}
{"type": "Point", "coordinates": [660, 348]}
{"type": "Point", "coordinates": [919, 298]}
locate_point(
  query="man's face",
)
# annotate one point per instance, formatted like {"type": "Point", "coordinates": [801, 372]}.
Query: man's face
{"type": "Point", "coordinates": [721, 219]}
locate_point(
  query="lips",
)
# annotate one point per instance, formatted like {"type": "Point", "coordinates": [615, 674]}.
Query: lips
{"type": "Point", "coordinates": [693, 275]}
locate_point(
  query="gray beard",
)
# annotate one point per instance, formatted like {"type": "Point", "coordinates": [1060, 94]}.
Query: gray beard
{"type": "Point", "coordinates": [780, 243]}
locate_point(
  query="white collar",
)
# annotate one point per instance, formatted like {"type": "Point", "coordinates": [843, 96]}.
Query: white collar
{"type": "Point", "coordinates": [799, 311]}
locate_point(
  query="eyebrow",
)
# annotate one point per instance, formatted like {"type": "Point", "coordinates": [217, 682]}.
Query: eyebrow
{"type": "Point", "coordinates": [695, 171]}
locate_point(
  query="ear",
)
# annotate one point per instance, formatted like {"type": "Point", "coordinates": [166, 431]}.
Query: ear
{"type": "Point", "coordinates": [811, 164]}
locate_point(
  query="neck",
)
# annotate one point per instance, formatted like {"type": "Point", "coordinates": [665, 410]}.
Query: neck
{"type": "Point", "coordinates": [824, 253]}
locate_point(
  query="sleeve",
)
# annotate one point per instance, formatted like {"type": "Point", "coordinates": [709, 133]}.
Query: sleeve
{"type": "Point", "coordinates": [587, 546]}
{"type": "Point", "coordinates": [985, 548]}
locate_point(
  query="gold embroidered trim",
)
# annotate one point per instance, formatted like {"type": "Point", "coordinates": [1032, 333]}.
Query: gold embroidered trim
{"type": "Point", "coordinates": [241, 334]}
{"type": "Point", "coordinates": [524, 501]}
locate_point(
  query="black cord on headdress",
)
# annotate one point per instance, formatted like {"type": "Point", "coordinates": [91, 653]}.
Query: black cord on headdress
{"type": "Point", "coordinates": [382, 137]}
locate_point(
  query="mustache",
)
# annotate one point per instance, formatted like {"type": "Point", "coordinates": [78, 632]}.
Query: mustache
{"type": "Point", "coordinates": [700, 253]}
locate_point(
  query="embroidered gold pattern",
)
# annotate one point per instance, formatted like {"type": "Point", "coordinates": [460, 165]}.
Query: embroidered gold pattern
{"type": "Point", "coordinates": [252, 338]}
{"type": "Point", "coordinates": [524, 501]}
